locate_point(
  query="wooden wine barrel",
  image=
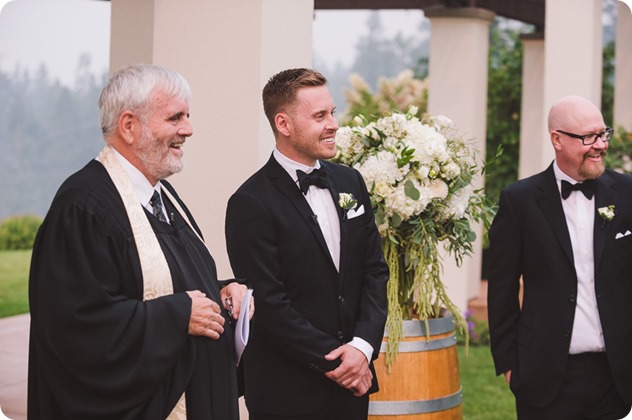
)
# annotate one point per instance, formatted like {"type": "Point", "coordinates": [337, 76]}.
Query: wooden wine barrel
{"type": "Point", "coordinates": [423, 383]}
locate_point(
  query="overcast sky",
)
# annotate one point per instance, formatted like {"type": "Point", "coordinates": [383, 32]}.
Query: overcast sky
{"type": "Point", "coordinates": [56, 32]}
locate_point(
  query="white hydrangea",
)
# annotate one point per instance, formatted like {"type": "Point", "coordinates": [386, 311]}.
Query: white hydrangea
{"type": "Point", "coordinates": [380, 167]}
{"type": "Point", "coordinates": [450, 171]}
{"type": "Point", "coordinates": [457, 203]}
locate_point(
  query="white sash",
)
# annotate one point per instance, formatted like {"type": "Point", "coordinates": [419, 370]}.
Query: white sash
{"type": "Point", "coordinates": [156, 274]}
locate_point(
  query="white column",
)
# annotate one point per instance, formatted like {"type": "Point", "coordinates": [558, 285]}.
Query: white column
{"type": "Point", "coordinates": [459, 46]}
{"type": "Point", "coordinates": [226, 50]}
{"type": "Point", "coordinates": [623, 68]}
{"type": "Point", "coordinates": [572, 57]}
{"type": "Point", "coordinates": [286, 43]}
{"type": "Point", "coordinates": [532, 114]}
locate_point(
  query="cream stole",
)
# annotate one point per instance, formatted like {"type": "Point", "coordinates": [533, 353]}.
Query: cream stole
{"type": "Point", "coordinates": [156, 275]}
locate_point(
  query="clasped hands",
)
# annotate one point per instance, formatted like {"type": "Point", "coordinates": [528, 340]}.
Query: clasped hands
{"type": "Point", "coordinates": [353, 373]}
{"type": "Point", "coordinates": [206, 315]}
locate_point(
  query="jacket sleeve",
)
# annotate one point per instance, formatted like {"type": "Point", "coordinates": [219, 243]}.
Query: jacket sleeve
{"type": "Point", "coordinates": [504, 285]}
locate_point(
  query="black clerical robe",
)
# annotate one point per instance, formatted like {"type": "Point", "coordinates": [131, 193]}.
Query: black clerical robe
{"type": "Point", "coordinates": [97, 350]}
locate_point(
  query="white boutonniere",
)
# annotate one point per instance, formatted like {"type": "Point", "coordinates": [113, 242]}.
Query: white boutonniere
{"type": "Point", "coordinates": [606, 213]}
{"type": "Point", "coordinates": [347, 201]}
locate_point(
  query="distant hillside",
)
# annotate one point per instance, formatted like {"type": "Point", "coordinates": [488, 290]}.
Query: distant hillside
{"type": "Point", "coordinates": [47, 132]}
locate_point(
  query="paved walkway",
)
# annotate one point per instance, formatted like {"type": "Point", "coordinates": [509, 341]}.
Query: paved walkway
{"type": "Point", "coordinates": [14, 344]}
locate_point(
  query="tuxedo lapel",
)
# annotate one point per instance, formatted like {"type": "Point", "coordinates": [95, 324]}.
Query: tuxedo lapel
{"type": "Point", "coordinates": [333, 188]}
{"type": "Point", "coordinates": [282, 181]}
{"type": "Point", "coordinates": [550, 202]}
{"type": "Point", "coordinates": [604, 196]}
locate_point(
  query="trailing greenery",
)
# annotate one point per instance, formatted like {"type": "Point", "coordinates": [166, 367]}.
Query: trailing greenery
{"type": "Point", "coordinates": [14, 279]}
{"type": "Point", "coordinates": [19, 232]}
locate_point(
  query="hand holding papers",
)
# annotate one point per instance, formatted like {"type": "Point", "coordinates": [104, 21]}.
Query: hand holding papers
{"type": "Point", "coordinates": [242, 330]}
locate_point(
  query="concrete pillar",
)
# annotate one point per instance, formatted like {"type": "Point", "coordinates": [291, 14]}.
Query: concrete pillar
{"type": "Point", "coordinates": [623, 69]}
{"type": "Point", "coordinates": [532, 114]}
{"type": "Point", "coordinates": [573, 49]}
{"type": "Point", "coordinates": [226, 50]}
{"type": "Point", "coordinates": [458, 64]}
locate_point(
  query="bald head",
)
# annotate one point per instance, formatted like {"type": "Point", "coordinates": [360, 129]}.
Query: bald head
{"type": "Point", "coordinates": [573, 113]}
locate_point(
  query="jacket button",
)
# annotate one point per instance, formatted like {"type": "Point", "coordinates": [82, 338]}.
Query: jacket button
{"type": "Point", "coordinates": [567, 334]}
{"type": "Point", "coordinates": [340, 335]}
{"type": "Point", "coordinates": [572, 299]}
{"type": "Point", "coordinates": [341, 299]}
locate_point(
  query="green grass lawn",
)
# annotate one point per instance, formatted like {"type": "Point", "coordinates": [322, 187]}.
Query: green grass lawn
{"type": "Point", "coordinates": [14, 278]}
{"type": "Point", "coordinates": [485, 396]}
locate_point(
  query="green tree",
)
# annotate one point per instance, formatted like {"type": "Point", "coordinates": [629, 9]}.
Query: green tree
{"type": "Point", "coordinates": [503, 106]}
{"type": "Point", "coordinates": [607, 84]}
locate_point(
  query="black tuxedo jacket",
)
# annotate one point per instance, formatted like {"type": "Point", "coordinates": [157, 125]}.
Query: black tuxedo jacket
{"type": "Point", "coordinates": [529, 238]}
{"type": "Point", "coordinates": [304, 307]}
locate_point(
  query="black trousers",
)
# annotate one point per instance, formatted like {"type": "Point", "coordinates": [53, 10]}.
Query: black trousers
{"type": "Point", "coordinates": [587, 393]}
{"type": "Point", "coordinates": [344, 406]}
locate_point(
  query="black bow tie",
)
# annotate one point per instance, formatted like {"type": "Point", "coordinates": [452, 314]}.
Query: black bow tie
{"type": "Point", "coordinates": [316, 177]}
{"type": "Point", "coordinates": [587, 187]}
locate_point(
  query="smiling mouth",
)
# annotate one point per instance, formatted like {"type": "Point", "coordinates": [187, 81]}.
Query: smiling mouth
{"type": "Point", "coordinates": [329, 140]}
{"type": "Point", "coordinates": [176, 145]}
{"type": "Point", "coordinates": [594, 156]}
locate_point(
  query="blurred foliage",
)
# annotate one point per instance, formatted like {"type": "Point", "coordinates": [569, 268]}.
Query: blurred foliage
{"type": "Point", "coordinates": [19, 232]}
{"type": "Point", "coordinates": [619, 151]}
{"type": "Point", "coordinates": [504, 92]}
{"type": "Point", "coordinates": [393, 95]}
{"type": "Point", "coordinates": [477, 329]}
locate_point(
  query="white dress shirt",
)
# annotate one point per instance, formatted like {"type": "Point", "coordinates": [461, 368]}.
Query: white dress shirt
{"type": "Point", "coordinates": [322, 204]}
{"type": "Point", "coordinates": [587, 335]}
{"type": "Point", "coordinates": [143, 189]}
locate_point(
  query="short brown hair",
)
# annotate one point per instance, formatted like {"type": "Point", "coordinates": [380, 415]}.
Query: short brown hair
{"type": "Point", "coordinates": [279, 93]}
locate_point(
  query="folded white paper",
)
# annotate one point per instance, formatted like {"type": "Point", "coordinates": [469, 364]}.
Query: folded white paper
{"type": "Point", "coordinates": [242, 329]}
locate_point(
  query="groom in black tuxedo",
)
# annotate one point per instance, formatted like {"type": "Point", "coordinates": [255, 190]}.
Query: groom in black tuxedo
{"type": "Point", "coordinates": [315, 262]}
{"type": "Point", "coordinates": [567, 351]}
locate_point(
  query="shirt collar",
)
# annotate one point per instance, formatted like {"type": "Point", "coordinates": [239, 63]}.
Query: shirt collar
{"type": "Point", "coordinates": [142, 187]}
{"type": "Point", "coordinates": [561, 176]}
{"type": "Point", "coordinates": [292, 166]}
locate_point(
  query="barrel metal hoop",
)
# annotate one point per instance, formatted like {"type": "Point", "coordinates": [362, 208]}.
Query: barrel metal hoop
{"type": "Point", "coordinates": [436, 326]}
{"type": "Point", "coordinates": [423, 345]}
{"type": "Point", "coordinates": [386, 408]}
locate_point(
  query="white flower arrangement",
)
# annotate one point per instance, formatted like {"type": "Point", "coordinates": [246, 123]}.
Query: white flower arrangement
{"type": "Point", "coordinates": [419, 175]}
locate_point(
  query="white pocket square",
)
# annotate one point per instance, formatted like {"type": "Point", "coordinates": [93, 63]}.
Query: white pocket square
{"type": "Point", "coordinates": [355, 213]}
{"type": "Point", "coordinates": [622, 235]}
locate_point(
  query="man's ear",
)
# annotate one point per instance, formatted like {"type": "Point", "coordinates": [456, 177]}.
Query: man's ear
{"type": "Point", "coordinates": [128, 125]}
{"type": "Point", "coordinates": [556, 140]}
{"type": "Point", "coordinates": [282, 123]}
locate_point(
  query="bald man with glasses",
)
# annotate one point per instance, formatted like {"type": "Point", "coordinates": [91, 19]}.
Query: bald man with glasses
{"type": "Point", "coordinates": [566, 348]}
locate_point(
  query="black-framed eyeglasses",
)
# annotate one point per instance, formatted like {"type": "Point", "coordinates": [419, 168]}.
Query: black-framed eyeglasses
{"type": "Point", "coordinates": [591, 138]}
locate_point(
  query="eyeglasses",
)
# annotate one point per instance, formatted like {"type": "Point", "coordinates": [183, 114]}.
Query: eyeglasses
{"type": "Point", "coordinates": [591, 138]}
